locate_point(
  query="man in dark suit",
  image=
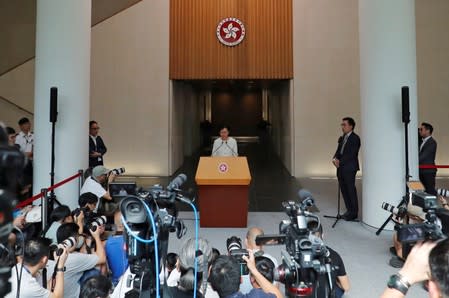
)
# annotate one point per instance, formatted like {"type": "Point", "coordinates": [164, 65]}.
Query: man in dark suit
{"type": "Point", "coordinates": [427, 152]}
{"type": "Point", "coordinates": [347, 163]}
{"type": "Point", "coordinates": [96, 146]}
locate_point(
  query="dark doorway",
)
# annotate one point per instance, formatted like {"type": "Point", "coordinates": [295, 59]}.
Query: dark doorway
{"type": "Point", "coordinates": [240, 109]}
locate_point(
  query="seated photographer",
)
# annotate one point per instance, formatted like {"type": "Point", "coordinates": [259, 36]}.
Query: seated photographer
{"type": "Point", "coordinates": [250, 244]}
{"type": "Point", "coordinates": [225, 279]}
{"type": "Point", "coordinates": [58, 216]}
{"type": "Point", "coordinates": [414, 215]}
{"type": "Point", "coordinates": [96, 287]}
{"type": "Point", "coordinates": [94, 184]}
{"type": "Point", "coordinates": [77, 263]}
{"type": "Point", "coordinates": [186, 264]}
{"type": "Point", "coordinates": [342, 281]}
{"type": "Point", "coordinates": [426, 261]}
{"type": "Point", "coordinates": [115, 254]}
{"type": "Point", "coordinates": [24, 276]}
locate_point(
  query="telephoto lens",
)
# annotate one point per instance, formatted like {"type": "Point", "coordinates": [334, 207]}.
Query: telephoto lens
{"type": "Point", "coordinates": [68, 243]}
{"type": "Point", "coordinates": [118, 171]}
{"type": "Point", "coordinates": [97, 222]}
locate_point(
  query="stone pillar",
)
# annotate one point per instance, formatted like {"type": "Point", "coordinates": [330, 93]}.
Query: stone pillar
{"type": "Point", "coordinates": [62, 60]}
{"type": "Point", "coordinates": [387, 62]}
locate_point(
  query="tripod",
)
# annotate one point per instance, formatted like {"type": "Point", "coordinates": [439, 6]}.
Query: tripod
{"type": "Point", "coordinates": [406, 121]}
{"type": "Point", "coordinates": [338, 216]}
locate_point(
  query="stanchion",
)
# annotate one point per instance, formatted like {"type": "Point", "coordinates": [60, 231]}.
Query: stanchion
{"type": "Point", "coordinates": [44, 208]}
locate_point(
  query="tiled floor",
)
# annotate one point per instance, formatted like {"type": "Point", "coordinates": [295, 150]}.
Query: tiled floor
{"type": "Point", "coordinates": [365, 254]}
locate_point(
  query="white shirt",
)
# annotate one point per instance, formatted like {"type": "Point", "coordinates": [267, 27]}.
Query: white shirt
{"type": "Point", "coordinates": [91, 185]}
{"type": "Point", "coordinates": [75, 265]}
{"type": "Point", "coordinates": [29, 286]}
{"type": "Point", "coordinates": [25, 141]}
{"type": "Point", "coordinates": [51, 232]}
{"type": "Point", "coordinates": [423, 142]}
{"type": "Point", "coordinates": [225, 148]}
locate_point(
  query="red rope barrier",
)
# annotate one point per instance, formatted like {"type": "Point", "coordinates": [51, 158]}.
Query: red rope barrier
{"type": "Point", "coordinates": [434, 166]}
{"type": "Point", "coordinates": [38, 196]}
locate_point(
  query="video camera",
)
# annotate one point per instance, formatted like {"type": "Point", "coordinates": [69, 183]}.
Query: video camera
{"type": "Point", "coordinates": [306, 268]}
{"type": "Point", "coordinates": [430, 230]}
{"type": "Point", "coordinates": [12, 163]}
{"type": "Point", "coordinates": [161, 203]}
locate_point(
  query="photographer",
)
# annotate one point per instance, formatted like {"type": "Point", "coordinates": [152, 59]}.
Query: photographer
{"type": "Point", "coordinates": [94, 184]}
{"type": "Point", "coordinates": [426, 261]}
{"type": "Point", "coordinates": [59, 215]}
{"type": "Point", "coordinates": [77, 263]}
{"type": "Point", "coordinates": [115, 254]}
{"type": "Point", "coordinates": [250, 244]}
{"type": "Point", "coordinates": [225, 279]}
{"type": "Point", "coordinates": [24, 275]}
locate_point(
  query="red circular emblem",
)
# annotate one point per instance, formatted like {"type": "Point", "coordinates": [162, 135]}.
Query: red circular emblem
{"type": "Point", "coordinates": [230, 31]}
{"type": "Point", "coordinates": [223, 167]}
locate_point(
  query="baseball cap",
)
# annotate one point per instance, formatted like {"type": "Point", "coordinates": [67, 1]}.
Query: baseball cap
{"type": "Point", "coordinates": [99, 170]}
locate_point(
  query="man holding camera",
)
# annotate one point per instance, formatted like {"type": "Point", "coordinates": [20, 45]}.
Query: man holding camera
{"type": "Point", "coordinates": [94, 184]}
{"type": "Point", "coordinates": [24, 276]}
{"type": "Point", "coordinates": [77, 262]}
{"type": "Point", "coordinates": [426, 261]}
{"type": "Point", "coordinates": [225, 279]}
{"type": "Point", "coordinates": [250, 244]}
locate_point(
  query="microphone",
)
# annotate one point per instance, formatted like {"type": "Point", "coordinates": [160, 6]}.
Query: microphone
{"type": "Point", "coordinates": [222, 142]}
{"type": "Point", "coordinates": [233, 152]}
{"type": "Point", "coordinates": [177, 182]}
{"type": "Point", "coordinates": [306, 197]}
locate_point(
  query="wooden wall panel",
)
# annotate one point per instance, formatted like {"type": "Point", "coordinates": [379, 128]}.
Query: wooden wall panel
{"type": "Point", "coordinates": [265, 53]}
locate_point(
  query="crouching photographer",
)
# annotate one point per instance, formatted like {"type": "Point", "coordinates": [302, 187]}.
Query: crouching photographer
{"type": "Point", "coordinates": [426, 261]}
{"type": "Point", "coordinates": [98, 184]}
{"type": "Point", "coordinates": [25, 275]}
{"type": "Point", "coordinates": [225, 278]}
{"type": "Point", "coordinates": [432, 228]}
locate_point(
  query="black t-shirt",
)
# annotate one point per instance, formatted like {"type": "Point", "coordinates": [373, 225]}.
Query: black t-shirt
{"type": "Point", "coordinates": [337, 262]}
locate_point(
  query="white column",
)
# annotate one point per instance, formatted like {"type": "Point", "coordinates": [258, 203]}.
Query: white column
{"type": "Point", "coordinates": [62, 60]}
{"type": "Point", "coordinates": [387, 62]}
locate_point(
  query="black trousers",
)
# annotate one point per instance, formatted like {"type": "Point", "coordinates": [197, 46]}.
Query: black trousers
{"type": "Point", "coordinates": [428, 180]}
{"type": "Point", "coordinates": [346, 180]}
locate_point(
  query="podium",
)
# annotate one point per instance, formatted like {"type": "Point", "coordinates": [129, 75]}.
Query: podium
{"type": "Point", "coordinates": [223, 184]}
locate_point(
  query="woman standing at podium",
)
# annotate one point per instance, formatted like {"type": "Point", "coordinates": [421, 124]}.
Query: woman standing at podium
{"type": "Point", "coordinates": [225, 145]}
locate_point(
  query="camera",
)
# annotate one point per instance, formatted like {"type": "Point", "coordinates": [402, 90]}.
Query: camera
{"type": "Point", "coordinates": [399, 212]}
{"type": "Point", "coordinates": [235, 250]}
{"type": "Point", "coordinates": [140, 236]}
{"type": "Point", "coordinates": [117, 171]}
{"type": "Point", "coordinates": [430, 230]}
{"type": "Point", "coordinates": [97, 222]}
{"type": "Point", "coordinates": [68, 243]}
{"type": "Point", "coordinates": [12, 163]}
{"type": "Point", "coordinates": [306, 268]}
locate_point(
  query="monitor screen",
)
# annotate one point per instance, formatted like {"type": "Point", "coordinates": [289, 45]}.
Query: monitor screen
{"type": "Point", "coordinates": [122, 189]}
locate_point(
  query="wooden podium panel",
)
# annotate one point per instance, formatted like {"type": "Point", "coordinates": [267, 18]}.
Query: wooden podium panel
{"type": "Point", "coordinates": [223, 184]}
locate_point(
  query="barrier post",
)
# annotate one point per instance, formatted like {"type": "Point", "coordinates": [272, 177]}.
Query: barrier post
{"type": "Point", "coordinates": [80, 180]}
{"type": "Point", "coordinates": [44, 208]}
